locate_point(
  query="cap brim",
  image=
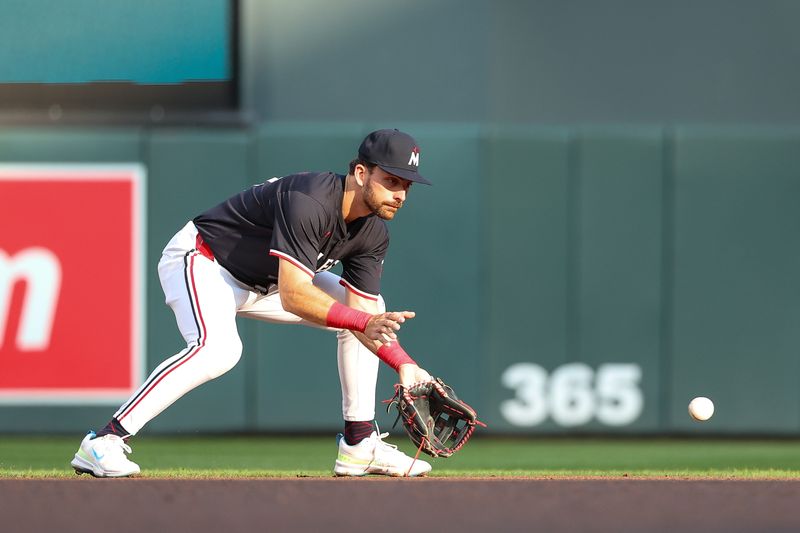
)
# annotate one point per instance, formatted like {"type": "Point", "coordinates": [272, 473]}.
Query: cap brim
{"type": "Point", "coordinates": [406, 174]}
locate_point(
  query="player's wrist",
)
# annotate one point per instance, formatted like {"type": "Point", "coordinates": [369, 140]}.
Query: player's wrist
{"type": "Point", "coordinates": [343, 317]}
{"type": "Point", "coordinates": [394, 355]}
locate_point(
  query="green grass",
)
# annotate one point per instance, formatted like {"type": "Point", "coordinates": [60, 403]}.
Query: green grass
{"type": "Point", "coordinates": [214, 457]}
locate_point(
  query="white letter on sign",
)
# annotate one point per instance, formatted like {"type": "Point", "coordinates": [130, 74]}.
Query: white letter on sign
{"type": "Point", "coordinates": [41, 271]}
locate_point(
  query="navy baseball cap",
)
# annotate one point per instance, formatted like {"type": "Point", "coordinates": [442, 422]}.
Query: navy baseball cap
{"type": "Point", "coordinates": [395, 152]}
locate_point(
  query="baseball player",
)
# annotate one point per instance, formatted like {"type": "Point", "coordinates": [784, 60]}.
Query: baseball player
{"type": "Point", "coordinates": [265, 254]}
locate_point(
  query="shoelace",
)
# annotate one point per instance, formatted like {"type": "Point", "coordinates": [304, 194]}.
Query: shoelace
{"type": "Point", "coordinates": [392, 448]}
{"type": "Point", "coordinates": [113, 443]}
{"type": "Point", "coordinates": [379, 439]}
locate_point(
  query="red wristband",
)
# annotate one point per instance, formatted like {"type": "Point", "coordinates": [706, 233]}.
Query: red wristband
{"type": "Point", "coordinates": [394, 355]}
{"type": "Point", "coordinates": [343, 317]}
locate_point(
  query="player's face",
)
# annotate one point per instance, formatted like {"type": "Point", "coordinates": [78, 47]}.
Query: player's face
{"type": "Point", "coordinates": [385, 193]}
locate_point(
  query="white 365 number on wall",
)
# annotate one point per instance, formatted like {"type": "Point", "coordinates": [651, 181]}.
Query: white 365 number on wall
{"type": "Point", "coordinates": [573, 394]}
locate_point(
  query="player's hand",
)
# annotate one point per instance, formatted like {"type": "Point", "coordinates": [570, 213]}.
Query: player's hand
{"type": "Point", "coordinates": [384, 327]}
{"type": "Point", "coordinates": [410, 374]}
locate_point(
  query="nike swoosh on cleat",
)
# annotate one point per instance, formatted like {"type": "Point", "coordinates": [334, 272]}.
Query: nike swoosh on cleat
{"type": "Point", "coordinates": [97, 456]}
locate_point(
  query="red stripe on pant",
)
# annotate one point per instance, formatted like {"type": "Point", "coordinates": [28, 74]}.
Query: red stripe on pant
{"type": "Point", "coordinates": [188, 357]}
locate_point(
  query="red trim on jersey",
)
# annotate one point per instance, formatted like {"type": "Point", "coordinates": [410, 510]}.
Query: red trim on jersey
{"type": "Point", "coordinates": [357, 292]}
{"type": "Point", "coordinates": [195, 352]}
{"type": "Point", "coordinates": [293, 261]}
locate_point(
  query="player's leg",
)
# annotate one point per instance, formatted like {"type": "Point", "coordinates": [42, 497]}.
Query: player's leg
{"type": "Point", "coordinates": [205, 309]}
{"type": "Point", "coordinates": [204, 304]}
{"type": "Point", "coordinates": [361, 449]}
{"type": "Point", "coordinates": [358, 367]}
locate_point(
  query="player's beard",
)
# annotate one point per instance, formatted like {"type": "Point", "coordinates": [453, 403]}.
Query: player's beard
{"type": "Point", "coordinates": [382, 209]}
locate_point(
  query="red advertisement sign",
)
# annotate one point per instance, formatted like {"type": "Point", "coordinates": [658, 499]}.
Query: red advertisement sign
{"type": "Point", "coordinates": [71, 284]}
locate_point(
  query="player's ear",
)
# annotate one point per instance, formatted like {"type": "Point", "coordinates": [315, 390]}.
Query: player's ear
{"type": "Point", "coordinates": [360, 173]}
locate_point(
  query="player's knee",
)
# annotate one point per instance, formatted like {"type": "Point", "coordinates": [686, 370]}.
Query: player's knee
{"type": "Point", "coordinates": [221, 357]}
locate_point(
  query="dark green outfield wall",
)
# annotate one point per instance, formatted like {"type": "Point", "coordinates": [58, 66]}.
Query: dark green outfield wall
{"type": "Point", "coordinates": [523, 61]}
{"type": "Point", "coordinates": [582, 279]}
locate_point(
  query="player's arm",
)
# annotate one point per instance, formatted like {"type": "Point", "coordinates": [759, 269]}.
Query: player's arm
{"type": "Point", "coordinates": [300, 297]}
{"type": "Point", "coordinates": [391, 353]}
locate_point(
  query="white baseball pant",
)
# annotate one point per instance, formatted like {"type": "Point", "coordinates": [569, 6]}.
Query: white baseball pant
{"type": "Point", "coordinates": [206, 299]}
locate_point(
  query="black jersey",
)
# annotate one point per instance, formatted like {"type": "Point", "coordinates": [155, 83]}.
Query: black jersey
{"type": "Point", "coordinates": [297, 218]}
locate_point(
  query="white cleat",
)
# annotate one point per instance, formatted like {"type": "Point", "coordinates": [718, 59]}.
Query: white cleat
{"type": "Point", "coordinates": [104, 457]}
{"type": "Point", "coordinates": [373, 456]}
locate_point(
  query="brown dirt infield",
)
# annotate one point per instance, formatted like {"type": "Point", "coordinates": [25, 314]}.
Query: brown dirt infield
{"type": "Point", "coordinates": [389, 505]}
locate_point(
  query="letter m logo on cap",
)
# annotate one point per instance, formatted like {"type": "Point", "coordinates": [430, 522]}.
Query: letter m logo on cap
{"type": "Point", "coordinates": [414, 159]}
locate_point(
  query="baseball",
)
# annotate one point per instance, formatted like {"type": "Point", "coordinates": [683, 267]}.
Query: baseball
{"type": "Point", "coordinates": [701, 408]}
